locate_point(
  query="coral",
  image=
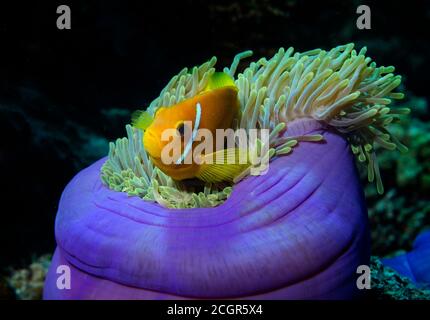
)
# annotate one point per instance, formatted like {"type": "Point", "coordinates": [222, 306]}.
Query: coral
{"type": "Point", "coordinates": [403, 212]}
{"type": "Point", "coordinates": [28, 282]}
{"type": "Point", "coordinates": [388, 284]}
{"type": "Point", "coordinates": [6, 292]}
{"type": "Point", "coordinates": [341, 88]}
{"type": "Point", "coordinates": [395, 221]}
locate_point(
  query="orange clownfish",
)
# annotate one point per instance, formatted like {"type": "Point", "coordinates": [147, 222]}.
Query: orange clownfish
{"type": "Point", "coordinates": [214, 108]}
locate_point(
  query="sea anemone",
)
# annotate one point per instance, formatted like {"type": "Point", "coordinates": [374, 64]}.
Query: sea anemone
{"type": "Point", "coordinates": [340, 88]}
{"type": "Point", "coordinates": [299, 231]}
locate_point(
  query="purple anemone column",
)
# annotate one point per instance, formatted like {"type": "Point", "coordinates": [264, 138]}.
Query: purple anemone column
{"type": "Point", "coordinates": [298, 232]}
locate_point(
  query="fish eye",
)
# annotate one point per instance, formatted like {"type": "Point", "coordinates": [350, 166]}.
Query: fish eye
{"type": "Point", "coordinates": [181, 129]}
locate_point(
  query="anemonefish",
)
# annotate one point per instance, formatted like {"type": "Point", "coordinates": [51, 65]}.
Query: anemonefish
{"type": "Point", "coordinates": [214, 108]}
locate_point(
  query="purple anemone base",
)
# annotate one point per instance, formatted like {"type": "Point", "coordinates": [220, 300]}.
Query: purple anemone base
{"type": "Point", "coordinates": [298, 232]}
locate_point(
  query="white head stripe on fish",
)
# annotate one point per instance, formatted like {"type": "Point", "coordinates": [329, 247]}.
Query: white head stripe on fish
{"type": "Point", "coordinates": [193, 135]}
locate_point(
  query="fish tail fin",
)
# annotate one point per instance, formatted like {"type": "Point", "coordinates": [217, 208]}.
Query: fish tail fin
{"type": "Point", "coordinates": [141, 119]}
{"type": "Point", "coordinates": [223, 165]}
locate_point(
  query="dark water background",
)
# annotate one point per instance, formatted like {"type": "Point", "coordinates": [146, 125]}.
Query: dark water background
{"type": "Point", "coordinates": [65, 93]}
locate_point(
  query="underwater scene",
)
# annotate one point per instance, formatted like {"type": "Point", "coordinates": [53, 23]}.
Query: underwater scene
{"type": "Point", "coordinates": [265, 150]}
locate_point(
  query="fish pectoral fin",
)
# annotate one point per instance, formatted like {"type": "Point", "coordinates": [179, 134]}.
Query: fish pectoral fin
{"type": "Point", "coordinates": [141, 119]}
{"type": "Point", "coordinates": [223, 165]}
{"type": "Point", "coordinates": [219, 80]}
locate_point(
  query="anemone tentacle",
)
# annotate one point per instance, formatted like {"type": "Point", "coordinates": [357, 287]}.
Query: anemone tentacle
{"type": "Point", "coordinates": [342, 88]}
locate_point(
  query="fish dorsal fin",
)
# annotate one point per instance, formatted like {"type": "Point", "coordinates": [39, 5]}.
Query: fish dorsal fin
{"type": "Point", "coordinates": [227, 170]}
{"type": "Point", "coordinates": [219, 80]}
{"type": "Point", "coordinates": [141, 119]}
